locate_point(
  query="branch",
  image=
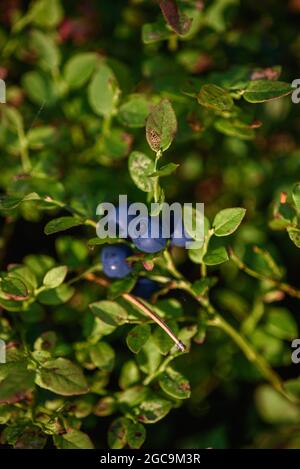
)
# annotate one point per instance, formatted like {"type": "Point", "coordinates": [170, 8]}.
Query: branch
{"type": "Point", "coordinates": [285, 287]}
{"type": "Point", "coordinates": [140, 306]}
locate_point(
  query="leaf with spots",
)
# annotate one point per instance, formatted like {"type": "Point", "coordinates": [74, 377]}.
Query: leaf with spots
{"type": "Point", "coordinates": [117, 433]}
{"type": "Point", "coordinates": [136, 434]}
{"type": "Point", "coordinates": [216, 98]}
{"type": "Point", "coordinates": [140, 168]}
{"type": "Point", "coordinates": [175, 384]}
{"type": "Point", "coordinates": [161, 126]}
{"type": "Point", "coordinates": [154, 409]}
{"type": "Point", "coordinates": [178, 21]}
{"type": "Point", "coordinates": [294, 234]}
{"type": "Point", "coordinates": [15, 382]}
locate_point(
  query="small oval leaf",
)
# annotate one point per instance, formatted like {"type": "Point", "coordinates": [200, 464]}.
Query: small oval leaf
{"type": "Point", "coordinates": [137, 337]}
{"type": "Point", "coordinates": [161, 126]}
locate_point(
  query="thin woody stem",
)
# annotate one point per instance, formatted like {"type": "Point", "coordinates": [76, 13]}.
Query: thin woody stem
{"type": "Point", "coordinates": [141, 307]}
{"type": "Point", "coordinates": [73, 211]}
{"type": "Point", "coordinates": [249, 352]}
{"type": "Point", "coordinates": [217, 320]}
{"type": "Point", "coordinates": [285, 287]}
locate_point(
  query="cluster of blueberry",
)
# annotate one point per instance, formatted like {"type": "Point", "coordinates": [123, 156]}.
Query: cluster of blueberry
{"type": "Point", "coordinates": [114, 257]}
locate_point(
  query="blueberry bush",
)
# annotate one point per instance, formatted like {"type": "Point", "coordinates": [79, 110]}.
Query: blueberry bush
{"type": "Point", "coordinates": [130, 342]}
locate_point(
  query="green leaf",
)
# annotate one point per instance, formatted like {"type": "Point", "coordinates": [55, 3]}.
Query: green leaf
{"type": "Point", "coordinates": [169, 308]}
{"type": "Point", "coordinates": [202, 286]}
{"type": "Point", "coordinates": [162, 340]}
{"type": "Point", "coordinates": [215, 256]}
{"type": "Point", "coordinates": [130, 374]}
{"type": "Point", "coordinates": [235, 128]}
{"type": "Point", "coordinates": [46, 14]}
{"type": "Point", "coordinates": [137, 337]}
{"type": "Point", "coordinates": [105, 406]}
{"type": "Point", "coordinates": [62, 224]}
{"type": "Point", "coordinates": [15, 382]}
{"type": "Point", "coordinates": [293, 387]}
{"type": "Point", "coordinates": [228, 220]}
{"type": "Point", "coordinates": [178, 21]}
{"type": "Point", "coordinates": [275, 408]}
{"type": "Point", "coordinates": [62, 377]}
{"type": "Point", "coordinates": [136, 434]}
{"type": "Point", "coordinates": [175, 384]}
{"type": "Point", "coordinates": [185, 335]}
{"type": "Point", "coordinates": [55, 276]}
{"type": "Point", "coordinates": [46, 341]}
{"type": "Point", "coordinates": [165, 170]}
{"type": "Point", "coordinates": [23, 435]}
{"type": "Point", "coordinates": [56, 296]}
{"type": "Point", "coordinates": [214, 97]}
{"type": "Point", "coordinates": [9, 202]}
{"type": "Point", "coordinates": [99, 241]}
{"type": "Point", "coordinates": [149, 357]}
{"type": "Point", "coordinates": [153, 409]}
{"type": "Point", "coordinates": [294, 234]}
{"type": "Point", "coordinates": [132, 396]}
{"type": "Point", "coordinates": [79, 68]}
{"type": "Point", "coordinates": [296, 195]}
{"type": "Point", "coordinates": [259, 91]}
{"type": "Point", "coordinates": [140, 167]}
{"type": "Point", "coordinates": [103, 91]}
{"type": "Point", "coordinates": [155, 32]}
{"type": "Point", "coordinates": [14, 118]}
{"type": "Point", "coordinates": [14, 288]}
{"type": "Point", "coordinates": [268, 262]}
{"type": "Point", "coordinates": [280, 323]}
{"type": "Point", "coordinates": [200, 336]}
{"type": "Point", "coordinates": [103, 356]}
{"type": "Point", "coordinates": [38, 137]}
{"type": "Point", "coordinates": [109, 312]}
{"type": "Point", "coordinates": [73, 252]}
{"type": "Point", "coordinates": [40, 88]}
{"type": "Point", "coordinates": [45, 48]}
{"type": "Point", "coordinates": [73, 439]}
{"type": "Point", "coordinates": [6, 411]}
{"type": "Point", "coordinates": [124, 285]}
{"type": "Point", "coordinates": [10, 305]}
{"type": "Point", "coordinates": [134, 111]}
{"type": "Point", "coordinates": [25, 274]}
{"type": "Point", "coordinates": [161, 126]}
{"type": "Point", "coordinates": [99, 330]}
{"type": "Point", "coordinates": [114, 146]}
{"type": "Point", "coordinates": [117, 433]}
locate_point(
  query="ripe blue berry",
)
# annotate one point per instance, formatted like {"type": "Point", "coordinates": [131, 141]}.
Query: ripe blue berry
{"type": "Point", "coordinates": [145, 287]}
{"type": "Point", "coordinates": [113, 260]}
{"type": "Point", "coordinates": [143, 241]}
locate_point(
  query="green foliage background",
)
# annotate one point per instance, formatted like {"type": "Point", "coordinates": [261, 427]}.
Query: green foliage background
{"type": "Point", "coordinates": [85, 366]}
